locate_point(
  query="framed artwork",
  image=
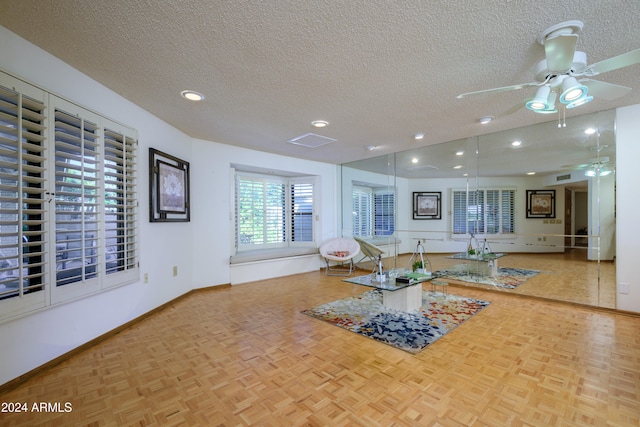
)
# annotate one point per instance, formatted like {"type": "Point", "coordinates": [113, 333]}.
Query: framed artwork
{"type": "Point", "coordinates": [168, 188]}
{"type": "Point", "coordinates": [541, 203]}
{"type": "Point", "coordinates": [427, 205]}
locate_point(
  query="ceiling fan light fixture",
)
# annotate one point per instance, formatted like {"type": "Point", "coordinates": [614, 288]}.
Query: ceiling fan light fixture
{"type": "Point", "coordinates": [572, 91]}
{"type": "Point", "coordinates": [542, 101]}
{"type": "Point", "coordinates": [580, 102]}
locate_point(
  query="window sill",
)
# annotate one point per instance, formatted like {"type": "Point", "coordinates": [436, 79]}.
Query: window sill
{"type": "Point", "coordinates": [270, 254]}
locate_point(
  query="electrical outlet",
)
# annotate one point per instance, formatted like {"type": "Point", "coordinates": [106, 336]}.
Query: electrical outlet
{"type": "Point", "coordinates": [146, 277]}
{"type": "Point", "coordinates": [624, 288]}
{"type": "Point", "coordinates": [175, 270]}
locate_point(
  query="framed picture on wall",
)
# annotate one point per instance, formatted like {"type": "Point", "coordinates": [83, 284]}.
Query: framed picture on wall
{"type": "Point", "coordinates": [541, 203]}
{"type": "Point", "coordinates": [427, 205]}
{"type": "Point", "coordinates": [168, 188]}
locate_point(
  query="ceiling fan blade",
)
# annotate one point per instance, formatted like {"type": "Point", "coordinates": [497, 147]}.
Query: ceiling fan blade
{"type": "Point", "coordinates": [604, 90]}
{"type": "Point", "coordinates": [499, 89]}
{"type": "Point", "coordinates": [620, 61]}
{"type": "Point", "coordinates": [559, 52]}
{"type": "Point", "coordinates": [513, 109]}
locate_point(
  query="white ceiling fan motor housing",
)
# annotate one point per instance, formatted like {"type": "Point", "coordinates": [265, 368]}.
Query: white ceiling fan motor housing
{"type": "Point", "coordinates": [542, 74]}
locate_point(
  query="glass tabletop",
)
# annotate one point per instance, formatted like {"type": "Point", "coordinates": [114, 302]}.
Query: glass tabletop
{"type": "Point", "coordinates": [483, 257]}
{"type": "Point", "coordinates": [389, 284]}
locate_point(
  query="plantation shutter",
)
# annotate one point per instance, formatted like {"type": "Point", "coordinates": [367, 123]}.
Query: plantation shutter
{"type": "Point", "coordinates": [492, 211]}
{"type": "Point", "coordinates": [260, 212]}
{"type": "Point", "coordinates": [22, 194]}
{"type": "Point", "coordinates": [362, 212]}
{"type": "Point", "coordinates": [508, 212]}
{"type": "Point", "coordinates": [302, 212]}
{"type": "Point", "coordinates": [120, 202]}
{"type": "Point", "coordinates": [384, 209]}
{"type": "Point", "coordinates": [475, 211]}
{"type": "Point", "coordinates": [274, 232]}
{"type": "Point", "coordinates": [77, 181]}
{"type": "Point", "coordinates": [488, 211]}
{"type": "Point", "coordinates": [459, 212]}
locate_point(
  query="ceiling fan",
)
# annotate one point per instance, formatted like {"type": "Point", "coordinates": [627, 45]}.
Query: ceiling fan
{"type": "Point", "coordinates": [597, 166]}
{"type": "Point", "coordinates": [564, 73]}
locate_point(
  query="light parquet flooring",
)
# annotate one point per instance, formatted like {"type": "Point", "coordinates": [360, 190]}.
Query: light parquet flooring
{"type": "Point", "coordinates": [245, 355]}
{"type": "Point", "coordinates": [564, 276]}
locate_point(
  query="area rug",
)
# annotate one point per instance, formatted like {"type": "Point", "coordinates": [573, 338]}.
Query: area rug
{"type": "Point", "coordinates": [409, 331]}
{"type": "Point", "coordinates": [509, 278]}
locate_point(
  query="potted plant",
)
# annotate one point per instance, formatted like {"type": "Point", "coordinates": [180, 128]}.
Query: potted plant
{"type": "Point", "coordinates": [417, 267]}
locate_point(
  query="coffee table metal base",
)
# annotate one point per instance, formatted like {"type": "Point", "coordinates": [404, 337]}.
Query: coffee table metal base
{"type": "Point", "coordinates": [405, 299]}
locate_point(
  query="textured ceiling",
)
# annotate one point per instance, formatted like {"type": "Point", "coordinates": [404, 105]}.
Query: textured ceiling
{"type": "Point", "coordinates": [377, 70]}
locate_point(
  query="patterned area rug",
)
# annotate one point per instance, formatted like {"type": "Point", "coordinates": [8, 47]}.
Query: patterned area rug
{"type": "Point", "coordinates": [409, 331]}
{"type": "Point", "coordinates": [509, 278]}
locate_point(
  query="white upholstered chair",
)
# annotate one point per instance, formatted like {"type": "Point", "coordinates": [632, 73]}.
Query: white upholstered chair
{"type": "Point", "coordinates": [338, 253]}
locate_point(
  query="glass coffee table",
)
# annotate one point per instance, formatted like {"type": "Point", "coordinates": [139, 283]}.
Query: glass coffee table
{"type": "Point", "coordinates": [395, 294]}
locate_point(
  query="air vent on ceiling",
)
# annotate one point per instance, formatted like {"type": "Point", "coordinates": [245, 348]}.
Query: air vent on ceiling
{"type": "Point", "coordinates": [311, 140]}
{"type": "Point", "coordinates": [563, 177]}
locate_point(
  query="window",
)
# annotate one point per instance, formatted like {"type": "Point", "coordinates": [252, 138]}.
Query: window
{"type": "Point", "coordinates": [68, 205]}
{"type": "Point", "coordinates": [373, 211]}
{"type": "Point", "coordinates": [273, 212]}
{"type": "Point", "coordinates": [384, 213]}
{"type": "Point", "coordinates": [484, 211]}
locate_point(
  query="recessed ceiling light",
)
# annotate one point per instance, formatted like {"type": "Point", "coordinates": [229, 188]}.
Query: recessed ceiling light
{"type": "Point", "coordinates": [516, 143]}
{"type": "Point", "coordinates": [192, 95]}
{"type": "Point", "coordinates": [414, 160]}
{"type": "Point", "coordinates": [320, 123]}
{"type": "Point", "coordinates": [458, 167]}
{"type": "Point", "coordinates": [370, 147]}
{"type": "Point", "coordinates": [459, 153]}
{"type": "Point", "coordinates": [418, 136]}
{"type": "Point", "coordinates": [531, 173]}
{"type": "Point", "coordinates": [590, 131]}
{"type": "Point", "coordinates": [485, 120]}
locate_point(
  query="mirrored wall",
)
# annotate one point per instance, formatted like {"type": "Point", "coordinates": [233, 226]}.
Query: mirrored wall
{"type": "Point", "coordinates": [527, 211]}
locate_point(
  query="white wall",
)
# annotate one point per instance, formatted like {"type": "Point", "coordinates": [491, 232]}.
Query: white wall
{"type": "Point", "coordinates": [627, 206]}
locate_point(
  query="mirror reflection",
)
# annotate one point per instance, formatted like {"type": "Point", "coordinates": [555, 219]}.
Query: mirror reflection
{"type": "Point", "coordinates": [527, 211]}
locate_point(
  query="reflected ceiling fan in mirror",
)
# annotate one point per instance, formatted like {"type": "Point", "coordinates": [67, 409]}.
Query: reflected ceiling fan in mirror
{"type": "Point", "coordinates": [597, 166]}
{"type": "Point", "coordinates": [564, 75]}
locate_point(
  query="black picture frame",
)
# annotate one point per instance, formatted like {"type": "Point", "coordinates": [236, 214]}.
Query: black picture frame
{"type": "Point", "coordinates": [168, 188]}
{"type": "Point", "coordinates": [427, 205]}
{"type": "Point", "coordinates": [541, 203]}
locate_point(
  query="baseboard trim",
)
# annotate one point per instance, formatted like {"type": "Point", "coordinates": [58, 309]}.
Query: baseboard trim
{"type": "Point", "coordinates": [10, 385]}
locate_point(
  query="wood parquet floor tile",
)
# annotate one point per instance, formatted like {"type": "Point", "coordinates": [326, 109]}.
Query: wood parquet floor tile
{"type": "Point", "coordinates": [246, 355]}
